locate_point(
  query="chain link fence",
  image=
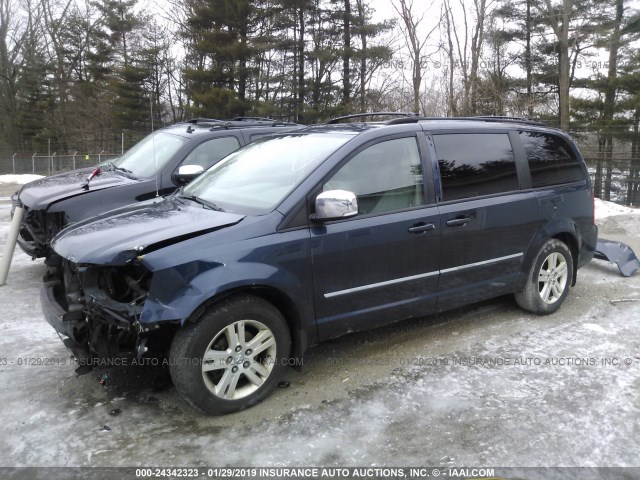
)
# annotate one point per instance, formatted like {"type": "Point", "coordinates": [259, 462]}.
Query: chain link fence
{"type": "Point", "coordinates": [624, 182]}
{"type": "Point", "coordinates": [42, 164]}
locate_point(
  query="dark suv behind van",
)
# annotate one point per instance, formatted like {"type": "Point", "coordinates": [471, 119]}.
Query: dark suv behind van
{"type": "Point", "coordinates": [311, 234]}
{"type": "Point", "coordinates": [157, 165]}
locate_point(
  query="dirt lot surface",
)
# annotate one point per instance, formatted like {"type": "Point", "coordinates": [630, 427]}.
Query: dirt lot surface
{"type": "Point", "coordinates": [481, 385]}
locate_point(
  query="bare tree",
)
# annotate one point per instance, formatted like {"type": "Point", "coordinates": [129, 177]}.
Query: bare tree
{"type": "Point", "coordinates": [415, 43]}
{"type": "Point", "coordinates": [466, 42]}
{"type": "Point", "coordinates": [19, 44]}
{"type": "Point", "coordinates": [559, 19]}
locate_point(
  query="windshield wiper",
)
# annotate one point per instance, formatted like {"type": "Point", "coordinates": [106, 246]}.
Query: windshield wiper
{"type": "Point", "coordinates": [113, 166]}
{"type": "Point", "coordinates": [203, 202]}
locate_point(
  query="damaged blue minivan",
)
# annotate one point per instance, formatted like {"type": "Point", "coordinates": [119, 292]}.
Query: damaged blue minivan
{"type": "Point", "coordinates": [307, 235]}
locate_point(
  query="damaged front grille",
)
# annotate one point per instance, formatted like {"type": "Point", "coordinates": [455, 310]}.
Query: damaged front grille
{"type": "Point", "coordinates": [103, 305]}
{"type": "Point", "coordinates": [40, 226]}
{"type": "Point", "coordinates": [125, 284]}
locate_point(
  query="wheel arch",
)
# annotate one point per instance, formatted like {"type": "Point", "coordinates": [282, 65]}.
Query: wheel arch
{"type": "Point", "coordinates": [285, 305]}
{"type": "Point", "coordinates": [572, 242]}
{"type": "Point", "coordinates": [564, 230]}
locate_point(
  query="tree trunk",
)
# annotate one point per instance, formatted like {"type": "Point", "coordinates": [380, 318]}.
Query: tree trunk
{"type": "Point", "coordinates": [597, 183]}
{"type": "Point", "coordinates": [346, 54]}
{"type": "Point", "coordinates": [453, 111]}
{"type": "Point", "coordinates": [610, 95]}
{"type": "Point", "coordinates": [633, 189]}
{"type": "Point", "coordinates": [527, 60]}
{"type": "Point", "coordinates": [561, 30]}
{"type": "Point", "coordinates": [563, 75]}
{"type": "Point", "coordinates": [301, 89]}
{"type": "Point", "coordinates": [476, 50]}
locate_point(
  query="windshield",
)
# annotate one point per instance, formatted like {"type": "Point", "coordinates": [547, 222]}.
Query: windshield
{"type": "Point", "coordinates": [151, 154]}
{"type": "Point", "coordinates": [256, 178]}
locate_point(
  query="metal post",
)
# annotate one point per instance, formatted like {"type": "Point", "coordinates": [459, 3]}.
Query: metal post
{"type": "Point", "coordinates": [9, 247]}
{"type": "Point", "coordinates": [122, 142]}
{"type": "Point", "coordinates": [52, 165]}
{"type": "Point", "coordinates": [100, 157]}
{"type": "Point", "coordinates": [74, 159]}
{"type": "Point", "coordinates": [33, 163]}
{"type": "Point", "coordinates": [13, 162]}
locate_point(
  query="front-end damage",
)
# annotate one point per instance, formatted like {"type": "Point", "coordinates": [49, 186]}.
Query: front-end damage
{"type": "Point", "coordinates": [98, 309]}
{"type": "Point", "coordinates": [108, 298]}
{"type": "Point", "coordinates": [37, 229]}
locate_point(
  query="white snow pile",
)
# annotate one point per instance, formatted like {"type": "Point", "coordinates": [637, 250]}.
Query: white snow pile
{"type": "Point", "coordinates": [609, 209]}
{"type": "Point", "coordinates": [19, 179]}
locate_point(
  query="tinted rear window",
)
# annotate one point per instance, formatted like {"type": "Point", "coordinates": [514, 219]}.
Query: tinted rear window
{"type": "Point", "coordinates": [551, 159]}
{"type": "Point", "coordinates": [474, 164]}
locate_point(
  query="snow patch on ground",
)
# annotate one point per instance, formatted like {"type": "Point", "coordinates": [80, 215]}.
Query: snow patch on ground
{"type": "Point", "coordinates": [594, 328]}
{"type": "Point", "coordinates": [608, 209]}
{"type": "Point", "coordinates": [19, 179]}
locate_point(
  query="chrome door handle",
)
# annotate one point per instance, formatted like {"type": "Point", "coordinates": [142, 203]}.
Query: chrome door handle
{"type": "Point", "coordinates": [458, 222]}
{"type": "Point", "coordinates": [421, 227]}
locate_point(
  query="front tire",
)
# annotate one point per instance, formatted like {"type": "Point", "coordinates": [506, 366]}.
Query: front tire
{"type": "Point", "coordinates": [233, 357]}
{"type": "Point", "coordinates": [548, 280]}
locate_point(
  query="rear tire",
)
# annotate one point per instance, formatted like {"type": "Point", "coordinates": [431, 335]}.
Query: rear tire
{"type": "Point", "coordinates": [548, 280]}
{"type": "Point", "coordinates": [233, 357]}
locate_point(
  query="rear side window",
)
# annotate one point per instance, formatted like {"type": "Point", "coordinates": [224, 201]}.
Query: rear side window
{"type": "Point", "coordinates": [475, 164]}
{"type": "Point", "coordinates": [551, 159]}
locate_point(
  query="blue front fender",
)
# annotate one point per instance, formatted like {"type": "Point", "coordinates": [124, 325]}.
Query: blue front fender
{"type": "Point", "coordinates": [176, 293]}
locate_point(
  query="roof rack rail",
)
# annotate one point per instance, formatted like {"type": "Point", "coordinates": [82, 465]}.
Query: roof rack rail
{"type": "Point", "coordinates": [195, 121]}
{"type": "Point", "coordinates": [257, 121]}
{"type": "Point", "coordinates": [253, 119]}
{"type": "Point", "coordinates": [480, 118]}
{"type": "Point", "coordinates": [506, 118]}
{"type": "Point", "coordinates": [240, 122]}
{"type": "Point", "coordinates": [372, 114]}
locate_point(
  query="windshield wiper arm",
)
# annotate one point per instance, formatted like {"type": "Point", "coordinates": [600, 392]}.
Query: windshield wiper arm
{"type": "Point", "coordinates": [202, 202]}
{"type": "Point", "coordinates": [113, 166]}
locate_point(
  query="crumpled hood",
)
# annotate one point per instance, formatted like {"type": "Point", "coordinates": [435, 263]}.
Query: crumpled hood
{"type": "Point", "coordinates": [120, 235]}
{"type": "Point", "coordinates": [41, 193]}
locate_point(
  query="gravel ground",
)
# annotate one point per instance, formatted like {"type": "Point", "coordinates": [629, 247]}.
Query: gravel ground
{"type": "Point", "coordinates": [482, 385]}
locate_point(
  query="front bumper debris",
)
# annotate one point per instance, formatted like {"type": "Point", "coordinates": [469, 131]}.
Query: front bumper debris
{"type": "Point", "coordinates": [619, 253]}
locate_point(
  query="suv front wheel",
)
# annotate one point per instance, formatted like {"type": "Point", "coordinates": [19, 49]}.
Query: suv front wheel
{"type": "Point", "coordinates": [548, 280]}
{"type": "Point", "coordinates": [233, 357]}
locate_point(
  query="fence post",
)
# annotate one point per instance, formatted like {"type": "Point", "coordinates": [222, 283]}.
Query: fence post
{"type": "Point", "coordinates": [99, 157]}
{"type": "Point", "coordinates": [13, 162]}
{"type": "Point", "coordinates": [52, 164]}
{"type": "Point", "coordinates": [74, 159]}
{"type": "Point", "coordinates": [33, 163]}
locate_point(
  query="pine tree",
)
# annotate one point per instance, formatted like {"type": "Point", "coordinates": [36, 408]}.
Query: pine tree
{"type": "Point", "coordinates": [220, 53]}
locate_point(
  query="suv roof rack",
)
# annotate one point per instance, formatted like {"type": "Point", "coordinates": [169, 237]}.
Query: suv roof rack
{"type": "Point", "coordinates": [199, 120]}
{"type": "Point", "coordinates": [237, 122]}
{"type": "Point", "coordinates": [479, 118]}
{"type": "Point", "coordinates": [253, 119]}
{"type": "Point", "coordinates": [373, 114]}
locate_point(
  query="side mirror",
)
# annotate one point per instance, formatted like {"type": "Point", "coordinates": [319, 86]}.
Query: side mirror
{"type": "Point", "coordinates": [186, 173]}
{"type": "Point", "coordinates": [335, 204]}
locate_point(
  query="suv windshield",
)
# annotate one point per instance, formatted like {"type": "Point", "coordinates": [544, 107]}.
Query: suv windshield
{"type": "Point", "coordinates": [256, 178]}
{"type": "Point", "coordinates": [149, 155]}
